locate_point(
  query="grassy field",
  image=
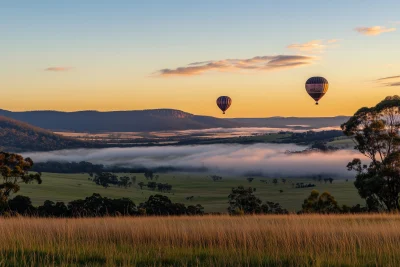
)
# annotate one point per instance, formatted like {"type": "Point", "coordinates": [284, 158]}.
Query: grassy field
{"type": "Point", "coordinates": [293, 240]}
{"type": "Point", "coordinates": [342, 142]}
{"type": "Point", "coordinates": [212, 195]}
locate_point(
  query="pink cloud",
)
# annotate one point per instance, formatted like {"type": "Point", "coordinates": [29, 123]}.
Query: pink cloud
{"type": "Point", "coordinates": [259, 63]}
{"type": "Point", "coordinates": [58, 69]}
{"type": "Point", "coordinates": [373, 31]}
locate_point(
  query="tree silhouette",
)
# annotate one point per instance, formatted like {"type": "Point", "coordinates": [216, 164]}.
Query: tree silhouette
{"type": "Point", "coordinates": [149, 174]}
{"type": "Point", "coordinates": [14, 171]}
{"type": "Point", "coordinates": [105, 179]}
{"type": "Point", "coordinates": [141, 184]}
{"type": "Point", "coordinates": [21, 205]}
{"type": "Point", "coordinates": [375, 132]}
{"type": "Point", "coordinates": [324, 203]}
{"type": "Point", "coordinates": [243, 199]}
{"type": "Point", "coordinates": [152, 185]}
{"type": "Point", "coordinates": [216, 178]}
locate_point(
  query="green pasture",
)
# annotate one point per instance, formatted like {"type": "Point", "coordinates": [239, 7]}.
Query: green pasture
{"type": "Point", "coordinates": [212, 195]}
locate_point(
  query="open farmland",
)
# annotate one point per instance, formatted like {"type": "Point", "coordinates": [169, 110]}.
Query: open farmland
{"type": "Point", "coordinates": [212, 195]}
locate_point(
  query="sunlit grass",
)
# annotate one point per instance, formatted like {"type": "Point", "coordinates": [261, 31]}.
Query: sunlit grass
{"type": "Point", "coordinates": [346, 240]}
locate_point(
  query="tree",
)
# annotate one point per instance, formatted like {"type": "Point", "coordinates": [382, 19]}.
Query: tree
{"type": "Point", "coordinates": [21, 205]}
{"type": "Point", "coordinates": [283, 180]}
{"type": "Point", "coordinates": [14, 171]}
{"type": "Point", "coordinates": [375, 132]}
{"type": "Point", "coordinates": [105, 179]}
{"type": "Point", "coordinates": [273, 208]}
{"type": "Point", "coordinates": [96, 205]}
{"type": "Point", "coordinates": [51, 209]}
{"type": "Point", "coordinates": [243, 200]}
{"type": "Point", "coordinates": [216, 178]}
{"type": "Point", "coordinates": [322, 146]}
{"type": "Point", "coordinates": [162, 205]}
{"type": "Point", "coordinates": [195, 210]}
{"type": "Point", "coordinates": [125, 181]}
{"type": "Point", "coordinates": [330, 180]}
{"type": "Point", "coordinates": [141, 184]}
{"type": "Point", "coordinates": [250, 179]}
{"type": "Point", "coordinates": [152, 185]}
{"type": "Point", "coordinates": [324, 203]}
{"type": "Point", "coordinates": [149, 174]}
{"type": "Point", "coordinates": [164, 187]}
{"type": "Point", "coordinates": [275, 181]}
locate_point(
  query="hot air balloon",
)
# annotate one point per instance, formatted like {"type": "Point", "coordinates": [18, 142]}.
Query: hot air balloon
{"type": "Point", "coordinates": [317, 87]}
{"type": "Point", "coordinates": [224, 102]}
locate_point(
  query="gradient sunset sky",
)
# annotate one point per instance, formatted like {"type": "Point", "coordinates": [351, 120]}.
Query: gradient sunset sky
{"type": "Point", "coordinates": [129, 55]}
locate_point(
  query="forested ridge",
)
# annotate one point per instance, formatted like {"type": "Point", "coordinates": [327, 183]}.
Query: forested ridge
{"type": "Point", "coordinates": [18, 136]}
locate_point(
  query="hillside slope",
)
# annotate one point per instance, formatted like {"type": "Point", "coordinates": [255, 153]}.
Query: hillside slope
{"type": "Point", "coordinates": [119, 121]}
{"type": "Point", "coordinates": [16, 136]}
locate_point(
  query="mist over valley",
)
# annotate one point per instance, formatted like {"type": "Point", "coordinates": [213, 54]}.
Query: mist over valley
{"type": "Point", "coordinates": [233, 159]}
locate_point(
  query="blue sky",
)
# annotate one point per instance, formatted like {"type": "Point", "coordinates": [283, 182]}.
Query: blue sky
{"type": "Point", "coordinates": [113, 49]}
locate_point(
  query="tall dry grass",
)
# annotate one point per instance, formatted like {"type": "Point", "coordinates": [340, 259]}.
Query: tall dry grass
{"type": "Point", "coordinates": [308, 240]}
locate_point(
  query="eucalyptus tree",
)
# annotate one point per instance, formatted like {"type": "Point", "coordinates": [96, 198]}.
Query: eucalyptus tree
{"type": "Point", "coordinates": [375, 132]}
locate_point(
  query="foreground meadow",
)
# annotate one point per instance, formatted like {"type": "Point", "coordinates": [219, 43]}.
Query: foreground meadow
{"type": "Point", "coordinates": [293, 240]}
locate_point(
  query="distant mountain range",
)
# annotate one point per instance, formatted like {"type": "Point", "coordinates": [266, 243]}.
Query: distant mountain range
{"type": "Point", "coordinates": [153, 120]}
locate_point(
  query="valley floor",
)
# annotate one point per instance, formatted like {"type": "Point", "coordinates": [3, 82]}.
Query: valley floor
{"type": "Point", "coordinates": [213, 196]}
{"type": "Point", "coordinates": [291, 240]}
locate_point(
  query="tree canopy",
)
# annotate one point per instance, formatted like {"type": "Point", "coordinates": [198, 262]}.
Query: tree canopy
{"type": "Point", "coordinates": [14, 171]}
{"type": "Point", "coordinates": [375, 131]}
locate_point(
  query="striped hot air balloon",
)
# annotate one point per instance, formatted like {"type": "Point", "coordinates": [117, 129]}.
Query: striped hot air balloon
{"type": "Point", "coordinates": [317, 87]}
{"type": "Point", "coordinates": [224, 102]}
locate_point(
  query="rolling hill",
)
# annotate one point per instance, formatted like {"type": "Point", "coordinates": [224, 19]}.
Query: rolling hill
{"type": "Point", "coordinates": [17, 136]}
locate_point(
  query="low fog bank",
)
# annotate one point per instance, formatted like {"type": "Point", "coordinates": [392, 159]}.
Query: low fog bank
{"type": "Point", "coordinates": [261, 159]}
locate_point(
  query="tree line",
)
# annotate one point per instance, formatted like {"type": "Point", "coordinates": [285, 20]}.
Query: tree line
{"type": "Point", "coordinates": [88, 167]}
{"type": "Point", "coordinates": [312, 137]}
{"type": "Point", "coordinates": [98, 206]}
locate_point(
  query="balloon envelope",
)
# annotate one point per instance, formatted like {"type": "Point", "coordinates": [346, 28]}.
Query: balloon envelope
{"type": "Point", "coordinates": [317, 87]}
{"type": "Point", "coordinates": [224, 102]}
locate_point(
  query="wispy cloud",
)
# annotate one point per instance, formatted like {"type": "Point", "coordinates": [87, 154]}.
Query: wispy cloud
{"type": "Point", "coordinates": [373, 31]}
{"type": "Point", "coordinates": [260, 63]}
{"type": "Point", "coordinates": [58, 69]}
{"type": "Point", "coordinates": [314, 46]}
{"type": "Point", "coordinates": [389, 81]}
{"type": "Point", "coordinates": [389, 78]}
